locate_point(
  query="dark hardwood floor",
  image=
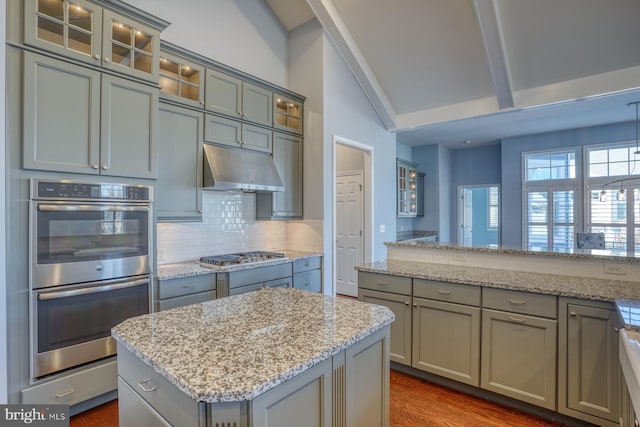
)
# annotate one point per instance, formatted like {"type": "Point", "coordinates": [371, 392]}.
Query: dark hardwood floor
{"type": "Point", "coordinates": [413, 403]}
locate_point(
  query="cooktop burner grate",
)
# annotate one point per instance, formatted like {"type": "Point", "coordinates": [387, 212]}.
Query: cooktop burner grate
{"type": "Point", "coordinates": [240, 258]}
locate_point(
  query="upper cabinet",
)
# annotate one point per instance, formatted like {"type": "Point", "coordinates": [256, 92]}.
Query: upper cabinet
{"type": "Point", "coordinates": [407, 188]}
{"type": "Point", "coordinates": [234, 97]}
{"type": "Point", "coordinates": [181, 80]}
{"type": "Point", "coordinates": [83, 31]}
{"type": "Point", "coordinates": [287, 114]}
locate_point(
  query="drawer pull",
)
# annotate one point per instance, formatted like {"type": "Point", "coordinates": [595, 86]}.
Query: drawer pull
{"type": "Point", "coordinates": [383, 283]}
{"type": "Point", "coordinates": [406, 303]}
{"type": "Point", "coordinates": [516, 302]}
{"type": "Point", "coordinates": [415, 305]}
{"type": "Point", "coordinates": [189, 285]}
{"type": "Point", "coordinates": [517, 319]}
{"type": "Point", "coordinates": [66, 393]}
{"type": "Point", "coordinates": [307, 284]}
{"type": "Point", "coordinates": [145, 389]}
{"type": "Point", "coordinates": [442, 292]}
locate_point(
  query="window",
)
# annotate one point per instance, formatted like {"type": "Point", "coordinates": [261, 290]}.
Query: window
{"type": "Point", "coordinates": [550, 197]}
{"type": "Point", "coordinates": [614, 202]}
{"type": "Point", "coordinates": [493, 204]}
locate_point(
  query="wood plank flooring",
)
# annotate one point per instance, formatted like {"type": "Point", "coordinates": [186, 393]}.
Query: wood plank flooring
{"type": "Point", "coordinates": [413, 403]}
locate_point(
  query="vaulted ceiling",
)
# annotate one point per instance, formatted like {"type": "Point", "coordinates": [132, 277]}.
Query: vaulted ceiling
{"type": "Point", "coordinates": [448, 71]}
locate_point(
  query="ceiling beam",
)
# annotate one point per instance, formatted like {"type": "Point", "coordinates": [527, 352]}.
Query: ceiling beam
{"type": "Point", "coordinates": [337, 31]}
{"type": "Point", "coordinates": [496, 54]}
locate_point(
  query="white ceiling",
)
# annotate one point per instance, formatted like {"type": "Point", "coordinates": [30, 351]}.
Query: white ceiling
{"type": "Point", "coordinates": [447, 71]}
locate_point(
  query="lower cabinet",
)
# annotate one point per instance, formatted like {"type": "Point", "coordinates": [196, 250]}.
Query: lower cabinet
{"type": "Point", "coordinates": [588, 359]}
{"type": "Point", "coordinates": [253, 279]}
{"type": "Point", "coordinates": [307, 273]}
{"type": "Point", "coordinates": [350, 389]}
{"type": "Point", "coordinates": [172, 293]}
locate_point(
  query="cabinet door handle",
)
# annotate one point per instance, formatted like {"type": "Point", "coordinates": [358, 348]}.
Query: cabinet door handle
{"type": "Point", "coordinates": [406, 303]}
{"type": "Point", "coordinates": [516, 302]}
{"type": "Point", "coordinates": [517, 319]}
{"type": "Point", "coordinates": [442, 292]}
{"type": "Point", "coordinates": [573, 314]}
{"type": "Point", "coordinates": [107, 59]}
{"type": "Point", "coordinates": [105, 167]}
{"type": "Point", "coordinates": [415, 305]}
{"type": "Point", "coordinates": [145, 389]}
{"type": "Point", "coordinates": [66, 393]}
{"type": "Point", "coordinates": [95, 166]}
{"type": "Point", "coordinates": [97, 56]}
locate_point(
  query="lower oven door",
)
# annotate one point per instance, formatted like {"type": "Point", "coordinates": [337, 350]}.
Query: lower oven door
{"type": "Point", "coordinates": [71, 325]}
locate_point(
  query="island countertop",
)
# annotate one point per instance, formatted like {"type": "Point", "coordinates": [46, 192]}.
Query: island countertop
{"type": "Point", "coordinates": [236, 348]}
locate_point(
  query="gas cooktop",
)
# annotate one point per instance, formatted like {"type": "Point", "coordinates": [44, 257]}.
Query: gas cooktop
{"type": "Point", "coordinates": [240, 257]}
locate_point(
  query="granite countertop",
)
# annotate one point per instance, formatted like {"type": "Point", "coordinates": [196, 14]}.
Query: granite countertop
{"type": "Point", "coordinates": [603, 254]}
{"type": "Point", "coordinates": [552, 284]}
{"type": "Point", "coordinates": [195, 268]}
{"type": "Point", "coordinates": [236, 348]}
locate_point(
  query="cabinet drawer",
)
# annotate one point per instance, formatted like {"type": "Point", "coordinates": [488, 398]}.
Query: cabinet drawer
{"type": "Point", "coordinates": [385, 283]}
{"type": "Point", "coordinates": [285, 282]}
{"type": "Point", "coordinates": [449, 292]}
{"type": "Point", "coordinates": [245, 289]}
{"type": "Point", "coordinates": [308, 281]}
{"type": "Point", "coordinates": [306, 264]}
{"type": "Point", "coordinates": [174, 405]}
{"type": "Point", "coordinates": [259, 275]}
{"type": "Point", "coordinates": [186, 285]}
{"type": "Point", "coordinates": [520, 302]}
{"type": "Point", "coordinates": [166, 304]}
{"type": "Point", "coordinates": [76, 387]}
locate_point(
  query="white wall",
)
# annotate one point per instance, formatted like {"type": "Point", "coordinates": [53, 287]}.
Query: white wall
{"type": "Point", "coordinates": [243, 34]}
{"type": "Point", "coordinates": [349, 159]}
{"type": "Point", "coordinates": [348, 114]}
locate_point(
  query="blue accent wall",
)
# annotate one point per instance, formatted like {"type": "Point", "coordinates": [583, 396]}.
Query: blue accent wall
{"type": "Point", "coordinates": [482, 234]}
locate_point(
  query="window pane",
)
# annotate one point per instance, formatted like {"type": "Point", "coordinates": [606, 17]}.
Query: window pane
{"type": "Point", "coordinates": [80, 18]}
{"type": "Point", "coordinates": [598, 156]}
{"type": "Point", "coordinates": [636, 206]}
{"type": "Point", "coordinates": [537, 207]}
{"type": "Point", "coordinates": [636, 237]}
{"type": "Point", "coordinates": [563, 238]}
{"type": "Point", "coordinates": [610, 211]}
{"type": "Point", "coordinates": [563, 210]}
{"type": "Point", "coordinates": [544, 166]}
{"type": "Point", "coordinates": [614, 237]}
{"type": "Point", "coordinates": [619, 155]}
{"type": "Point", "coordinates": [618, 168]}
{"type": "Point", "coordinates": [598, 169]}
{"type": "Point", "coordinates": [537, 237]}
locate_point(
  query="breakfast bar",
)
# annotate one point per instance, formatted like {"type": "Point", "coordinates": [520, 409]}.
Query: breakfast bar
{"type": "Point", "coordinates": [276, 356]}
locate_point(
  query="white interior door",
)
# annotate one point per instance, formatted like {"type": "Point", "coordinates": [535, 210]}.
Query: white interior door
{"type": "Point", "coordinates": [467, 217]}
{"type": "Point", "coordinates": [349, 227]}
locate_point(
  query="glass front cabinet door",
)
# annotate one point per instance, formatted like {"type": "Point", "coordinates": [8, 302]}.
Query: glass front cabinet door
{"type": "Point", "coordinates": [181, 80]}
{"type": "Point", "coordinates": [407, 188]}
{"type": "Point", "coordinates": [287, 114]}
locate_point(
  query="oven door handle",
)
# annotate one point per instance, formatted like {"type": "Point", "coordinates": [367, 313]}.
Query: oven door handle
{"type": "Point", "coordinates": [91, 290]}
{"type": "Point", "coordinates": [92, 208]}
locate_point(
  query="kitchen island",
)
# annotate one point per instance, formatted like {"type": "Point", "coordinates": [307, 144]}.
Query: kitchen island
{"type": "Point", "coordinates": [270, 357]}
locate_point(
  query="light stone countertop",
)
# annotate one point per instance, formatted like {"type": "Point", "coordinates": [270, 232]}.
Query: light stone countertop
{"type": "Point", "coordinates": [195, 268]}
{"type": "Point", "coordinates": [599, 254]}
{"type": "Point", "coordinates": [551, 284]}
{"type": "Point", "coordinates": [236, 348]}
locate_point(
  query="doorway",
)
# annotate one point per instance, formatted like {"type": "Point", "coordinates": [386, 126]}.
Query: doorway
{"type": "Point", "coordinates": [349, 231]}
{"type": "Point", "coordinates": [479, 215]}
{"type": "Point", "coordinates": [352, 218]}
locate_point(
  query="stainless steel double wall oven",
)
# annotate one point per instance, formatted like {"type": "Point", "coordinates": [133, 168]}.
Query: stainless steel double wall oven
{"type": "Point", "coordinates": [90, 249]}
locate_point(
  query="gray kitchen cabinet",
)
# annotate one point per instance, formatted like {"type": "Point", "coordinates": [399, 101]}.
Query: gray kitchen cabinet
{"type": "Point", "coordinates": [86, 32]}
{"type": "Point", "coordinates": [223, 131]}
{"type": "Point", "coordinates": [181, 80]}
{"type": "Point", "coordinates": [77, 120]}
{"type": "Point", "coordinates": [178, 195]}
{"type": "Point", "coordinates": [241, 281]}
{"type": "Point", "coordinates": [134, 411]}
{"type": "Point", "coordinates": [589, 375]}
{"type": "Point", "coordinates": [287, 114]}
{"type": "Point", "coordinates": [172, 293]}
{"type": "Point", "coordinates": [441, 317]}
{"type": "Point", "coordinates": [305, 402]}
{"type": "Point", "coordinates": [379, 289]}
{"type": "Point", "coordinates": [519, 357]}
{"type": "Point", "coordinates": [229, 95]}
{"type": "Point", "coordinates": [406, 188]}
{"type": "Point", "coordinates": [627, 412]}
{"type": "Point", "coordinates": [287, 204]}
{"type": "Point", "coordinates": [307, 273]}
{"type": "Point", "coordinates": [74, 386]}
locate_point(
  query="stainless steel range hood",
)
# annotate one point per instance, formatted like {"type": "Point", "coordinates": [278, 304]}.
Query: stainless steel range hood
{"type": "Point", "coordinates": [228, 169]}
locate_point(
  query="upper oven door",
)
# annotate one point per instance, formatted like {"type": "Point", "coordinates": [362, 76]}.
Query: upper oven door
{"type": "Point", "coordinates": [82, 242]}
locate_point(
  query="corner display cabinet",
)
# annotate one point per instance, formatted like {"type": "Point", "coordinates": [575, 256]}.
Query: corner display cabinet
{"type": "Point", "coordinates": [407, 188]}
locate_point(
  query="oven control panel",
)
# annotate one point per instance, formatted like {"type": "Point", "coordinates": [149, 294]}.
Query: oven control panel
{"type": "Point", "coordinates": [70, 190]}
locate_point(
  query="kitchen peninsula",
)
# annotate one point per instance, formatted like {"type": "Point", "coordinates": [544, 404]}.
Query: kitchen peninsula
{"type": "Point", "coordinates": [534, 330]}
{"type": "Point", "coordinates": [269, 357]}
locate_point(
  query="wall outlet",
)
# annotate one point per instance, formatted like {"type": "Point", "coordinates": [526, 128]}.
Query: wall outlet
{"type": "Point", "coordinates": [458, 256]}
{"type": "Point", "coordinates": [382, 228]}
{"type": "Point", "coordinates": [618, 269]}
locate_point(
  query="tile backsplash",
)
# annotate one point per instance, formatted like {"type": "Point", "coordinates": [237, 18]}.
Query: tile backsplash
{"type": "Point", "coordinates": [229, 225]}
